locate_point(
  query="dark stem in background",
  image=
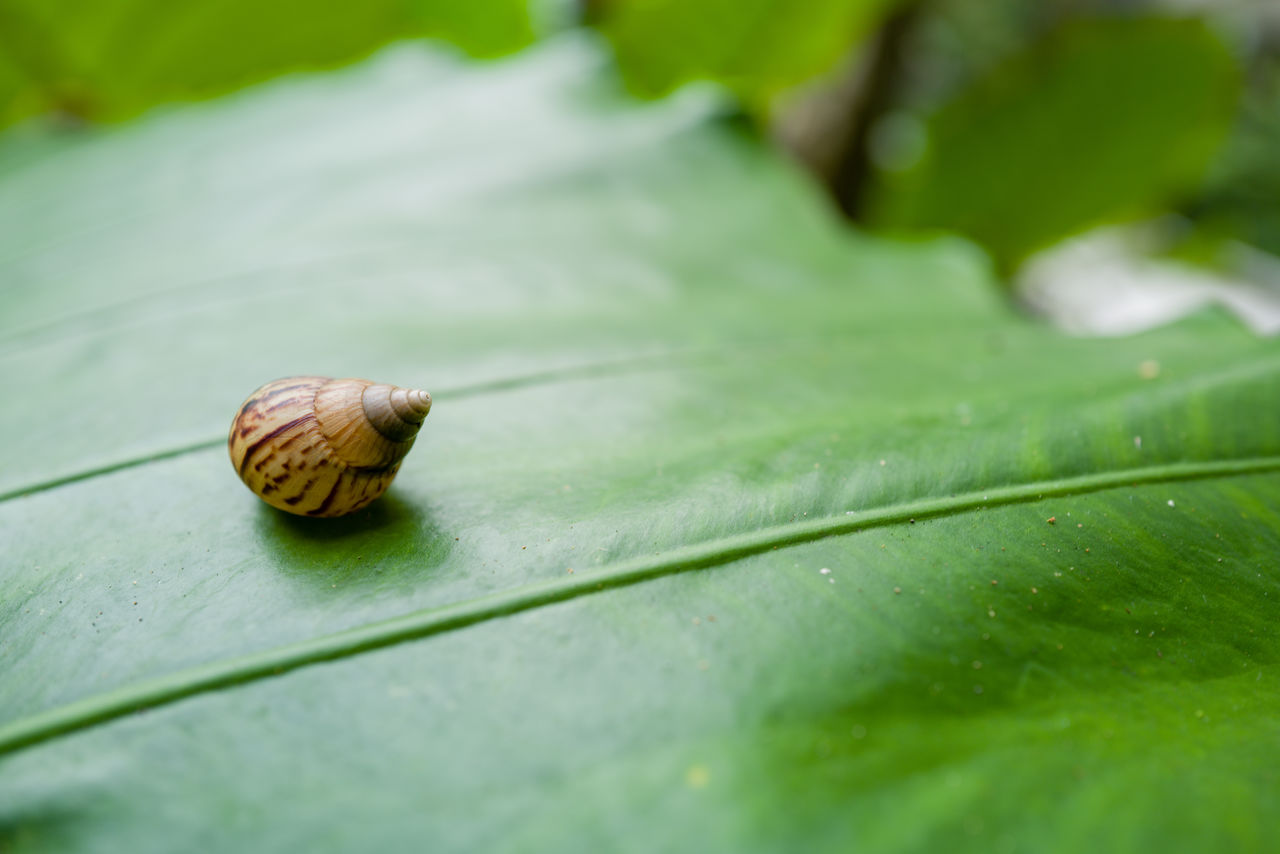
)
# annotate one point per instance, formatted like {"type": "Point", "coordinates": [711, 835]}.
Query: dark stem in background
{"type": "Point", "coordinates": [829, 129]}
{"type": "Point", "coordinates": [851, 172]}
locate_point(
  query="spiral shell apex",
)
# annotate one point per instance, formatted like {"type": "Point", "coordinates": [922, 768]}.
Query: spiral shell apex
{"type": "Point", "coordinates": [316, 446]}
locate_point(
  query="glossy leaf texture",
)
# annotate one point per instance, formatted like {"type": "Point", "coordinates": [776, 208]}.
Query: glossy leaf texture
{"type": "Point", "coordinates": [729, 529]}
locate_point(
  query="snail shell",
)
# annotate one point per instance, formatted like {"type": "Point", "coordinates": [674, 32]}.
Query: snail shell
{"type": "Point", "coordinates": [316, 446]}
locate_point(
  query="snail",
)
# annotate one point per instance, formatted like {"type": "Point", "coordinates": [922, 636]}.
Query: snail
{"type": "Point", "coordinates": [316, 446]}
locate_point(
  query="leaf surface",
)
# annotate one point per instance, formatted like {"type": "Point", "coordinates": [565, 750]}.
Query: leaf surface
{"type": "Point", "coordinates": [593, 613]}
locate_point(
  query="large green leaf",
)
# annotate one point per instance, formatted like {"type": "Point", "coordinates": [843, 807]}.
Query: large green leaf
{"type": "Point", "coordinates": [848, 566]}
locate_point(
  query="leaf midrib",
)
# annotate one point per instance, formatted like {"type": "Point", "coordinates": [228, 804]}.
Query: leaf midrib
{"type": "Point", "coordinates": [652, 360]}
{"type": "Point", "coordinates": [601, 368]}
{"type": "Point", "coordinates": [153, 693]}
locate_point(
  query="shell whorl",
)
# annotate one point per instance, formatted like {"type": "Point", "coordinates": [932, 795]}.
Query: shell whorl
{"type": "Point", "coordinates": [362, 424]}
{"type": "Point", "coordinates": [396, 413]}
{"type": "Point", "coordinates": [321, 447]}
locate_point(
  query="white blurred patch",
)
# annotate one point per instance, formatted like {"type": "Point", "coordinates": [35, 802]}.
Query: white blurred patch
{"type": "Point", "coordinates": [1102, 284]}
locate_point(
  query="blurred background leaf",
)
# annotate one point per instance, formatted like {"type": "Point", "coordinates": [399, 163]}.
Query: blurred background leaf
{"type": "Point", "coordinates": [754, 47]}
{"type": "Point", "coordinates": [1241, 197]}
{"type": "Point", "coordinates": [107, 60]}
{"type": "Point", "coordinates": [1013, 122]}
{"type": "Point", "coordinates": [1101, 120]}
{"type": "Point", "coordinates": [1016, 123]}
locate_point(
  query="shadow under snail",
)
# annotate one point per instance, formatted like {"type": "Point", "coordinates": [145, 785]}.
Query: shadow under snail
{"type": "Point", "coordinates": [317, 446]}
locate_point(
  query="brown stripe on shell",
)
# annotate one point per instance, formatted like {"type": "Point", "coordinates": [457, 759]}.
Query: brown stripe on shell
{"type": "Point", "coordinates": [293, 500]}
{"type": "Point", "coordinates": [253, 448]}
{"type": "Point", "coordinates": [282, 389]}
{"type": "Point", "coordinates": [298, 400]}
{"type": "Point", "coordinates": [257, 400]}
{"type": "Point", "coordinates": [328, 499]}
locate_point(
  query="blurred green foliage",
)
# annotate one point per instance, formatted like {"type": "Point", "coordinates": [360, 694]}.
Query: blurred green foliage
{"type": "Point", "coordinates": [1014, 122]}
{"type": "Point", "coordinates": [1241, 197]}
{"type": "Point", "coordinates": [756, 48]}
{"type": "Point", "coordinates": [107, 59]}
{"type": "Point", "coordinates": [1100, 120]}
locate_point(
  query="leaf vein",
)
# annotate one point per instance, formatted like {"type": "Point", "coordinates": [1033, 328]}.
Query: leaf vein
{"type": "Point", "coordinates": [614, 367]}
{"type": "Point", "coordinates": [164, 690]}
